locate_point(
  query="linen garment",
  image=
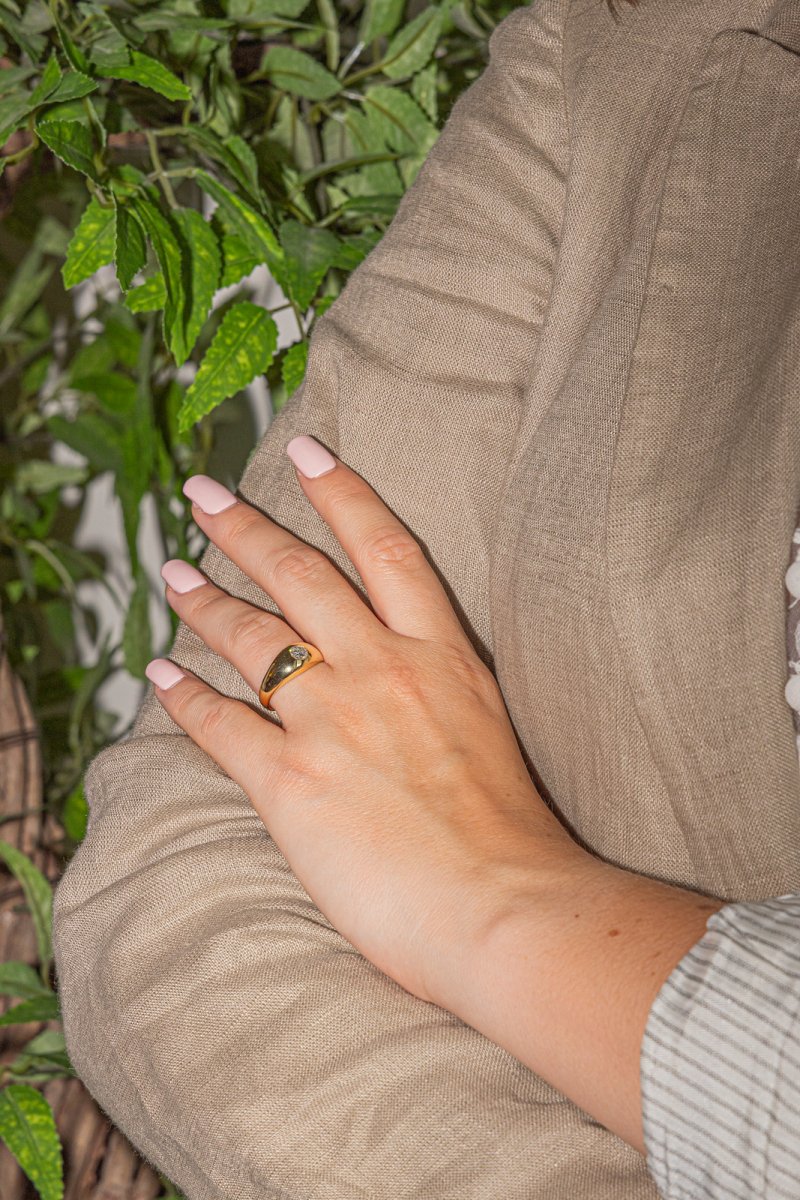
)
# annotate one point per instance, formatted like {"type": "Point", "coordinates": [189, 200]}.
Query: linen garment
{"type": "Point", "coordinates": [571, 368]}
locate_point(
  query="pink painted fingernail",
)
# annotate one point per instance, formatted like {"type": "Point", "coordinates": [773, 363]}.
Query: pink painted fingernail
{"type": "Point", "coordinates": [163, 673]}
{"type": "Point", "coordinates": [208, 495]}
{"type": "Point", "coordinates": [181, 576]}
{"type": "Point", "coordinates": [310, 458]}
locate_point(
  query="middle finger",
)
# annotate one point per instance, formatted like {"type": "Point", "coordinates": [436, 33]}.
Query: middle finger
{"type": "Point", "coordinates": [309, 589]}
{"type": "Point", "coordinates": [246, 636]}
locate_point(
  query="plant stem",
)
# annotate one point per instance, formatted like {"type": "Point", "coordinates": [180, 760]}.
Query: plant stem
{"type": "Point", "coordinates": [330, 20]}
{"type": "Point", "coordinates": [159, 169]}
{"type": "Point", "coordinates": [18, 155]}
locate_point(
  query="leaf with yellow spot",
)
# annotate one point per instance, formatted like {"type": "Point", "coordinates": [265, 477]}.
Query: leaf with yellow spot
{"type": "Point", "coordinates": [243, 347]}
{"type": "Point", "coordinates": [28, 1128]}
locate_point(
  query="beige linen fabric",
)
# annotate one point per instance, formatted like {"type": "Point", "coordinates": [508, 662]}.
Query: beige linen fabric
{"type": "Point", "coordinates": [572, 368]}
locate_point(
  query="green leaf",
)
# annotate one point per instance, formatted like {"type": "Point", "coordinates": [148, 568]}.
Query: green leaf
{"type": "Point", "coordinates": [423, 90]}
{"type": "Point", "coordinates": [294, 136]}
{"type": "Point", "coordinates": [37, 1008]}
{"type": "Point", "coordinates": [14, 111]}
{"type": "Point", "coordinates": [243, 347]}
{"type": "Point", "coordinates": [73, 86]}
{"type": "Point", "coordinates": [20, 979]}
{"type": "Point", "coordinates": [122, 334]}
{"type": "Point", "coordinates": [71, 141]}
{"type": "Point", "coordinates": [380, 17]}
{"type": "Point", "coordinates": [244, 220]}
{"type": "Point", "coordinates": [170, 258]}
{"type": "Point", "coordinates": [381, 177]}
{"type": "Point", "coordinates": [124, 180]}
{"type": "Point", "coordinates": [28, 1128]}
{"type": "Point", "coordinates": [137, 636]}
{"type": "Point", "coordinates": [238, 260]}
{"type": "Point", "coordinates": [75, 814]}
{"type": "Point", "coordinates": [149, 296]}
{"type": "Point", "coordinates": [263, 10]}
{"type": "Point", "coordinates": [256, 12]}
{"type": "Point", "coordinates": [75, 56]}
{"type": "Point", "coordinates": [38, 896]}
{"type": "Point", "coordinates": [160, 20]}
{"type": "Point", "coordinates": [145, 71]}
{"type": "Point", "coordinates": [309, 254]}
{"type": "Point", "coordinates": [412, 46]}
{"type": "Point", "coordinates": [26, 286]}
{"type": "Point", "coordinates": [221, 105]}
{"type": "Point", "coordinates": [239, 148]}
{"type": "Point", "coordinates": [202, 254]}
{"type": "Point", "coordinates": [20, 30]}
{"type": "Point", "coordinates": [299, 73]}
{"type": "Point", "coordinates": [52, 237]}
{"type": "Point", "coordinates": [323, 304]}
{"type": "Point", "coordinates": [115, 392]}
{"type": "Point", "coordinates": [293, 366]}
{"type": "Point", "coordinates": [218, 149]}
{"type": "Point", "coordinates": [51, 76]}
{"type": "Point", "coordinates": [12, 77]}
{"type": "Point", "coordinates": [373, 205]}
{"type": "Point", "coordinates": [355, 248]}
{"type": "Point", "coordinates": [138, 453]}
{"type": "Point", "coordinates": [93, 436]}
{"type": "Point", "coordinates": [401, 122]}
{"type": "Point", "coordinates": [47, 1051]}
{"type": "Point", "coordinates": [92, 244]}
{"type": "Point", "coordinates": [40, 476]}
{"type": "Point", "coordinates": [66, 110]}
{"type": "Point", "coordinates": [130, 247]}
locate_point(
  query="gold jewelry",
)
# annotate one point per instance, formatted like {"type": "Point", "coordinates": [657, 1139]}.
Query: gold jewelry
{"type": "Point", "coordinates": [292, 660]}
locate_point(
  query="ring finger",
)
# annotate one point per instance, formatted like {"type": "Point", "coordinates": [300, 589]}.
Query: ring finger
{"type": "Point", "coordinates": [247, 637]}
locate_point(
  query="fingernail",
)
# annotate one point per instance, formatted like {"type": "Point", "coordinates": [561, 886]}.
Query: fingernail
{"type": "Point", "coordinates": [163, 673]}
{"type": "Point", "coordinates": [180, 576]}
{"type": "Point", "coordinates": [310, 458]}
{"type": "Point", "coordinates": [208, 495]}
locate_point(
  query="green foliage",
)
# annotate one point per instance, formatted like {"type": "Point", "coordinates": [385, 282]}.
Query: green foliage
{"type": "Point", "coordinates": [242, 348]}
{"type": "Point", "coordinates": [28, 1128]}
{"type": "Point", "coordinates": [152, 153]}
{"type": "Point", "coordinates": [92, 244]}
{"type": "Point", "coordinates": [39, 898]}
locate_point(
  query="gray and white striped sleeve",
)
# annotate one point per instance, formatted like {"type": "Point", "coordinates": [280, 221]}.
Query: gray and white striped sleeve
{"type": "Point", "coordinates": [720, 1061]}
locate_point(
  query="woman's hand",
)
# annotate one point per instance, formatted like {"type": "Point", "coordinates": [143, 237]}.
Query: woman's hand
{"type": "Point", "coordinates": [394, 787]}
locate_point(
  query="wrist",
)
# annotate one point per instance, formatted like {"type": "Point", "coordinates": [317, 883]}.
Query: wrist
{"type": "Point", "coordinates": [529, 885]}
{"type": "Point", "coordinates": [567, 973]}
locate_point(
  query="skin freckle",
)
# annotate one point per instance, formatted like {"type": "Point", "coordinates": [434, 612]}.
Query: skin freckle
{"type": "Point", "coordinates": [613, 933]}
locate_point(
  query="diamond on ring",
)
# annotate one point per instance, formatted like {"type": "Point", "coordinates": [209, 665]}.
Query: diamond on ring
{"type": "Point", "coordinates": [299, 653]}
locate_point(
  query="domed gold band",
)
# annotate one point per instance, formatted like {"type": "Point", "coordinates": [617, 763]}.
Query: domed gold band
{"type": "Point", "coordinates": [292, 661]}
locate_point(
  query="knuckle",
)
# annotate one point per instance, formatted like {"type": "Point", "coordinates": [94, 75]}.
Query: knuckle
{"type": "Point", "coordinates": [477, 678]}
{"type": "Point", "coordinates": [246, 635]}
{"type": "Point", "coordinates": [240, 525]}
{"type": "Point", "coordinates": [477, 674]}
{"type": "Point", "coordinates": [341, 496]}
{"type": "Point", "coordinates": [204, 601]}
{"type": "Point", "coordinates": [405, 678]}
{"type": "Point", "coordinates": [298, 564]}
{"type": "Point", "coordinates": [303, 765]}
{"type": "Point", "coordinates": [211, 722]}
{"type": "Point", "coordinates": [392, 547]}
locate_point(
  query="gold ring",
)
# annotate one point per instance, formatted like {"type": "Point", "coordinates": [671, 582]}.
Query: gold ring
{"type": "Point", "coordinates": [292, 660]}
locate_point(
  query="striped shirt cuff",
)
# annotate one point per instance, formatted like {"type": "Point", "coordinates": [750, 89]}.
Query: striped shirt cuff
{"type": "Point", "coordinates": [720, 1061]}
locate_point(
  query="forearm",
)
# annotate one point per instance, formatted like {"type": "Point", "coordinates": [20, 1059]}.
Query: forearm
{"type": "Point", "coordinates": [567, 977]}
